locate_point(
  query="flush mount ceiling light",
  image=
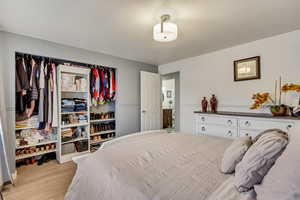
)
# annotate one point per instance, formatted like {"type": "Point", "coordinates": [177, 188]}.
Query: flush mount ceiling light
{"type": "Point", "coordinates": [165, 31]}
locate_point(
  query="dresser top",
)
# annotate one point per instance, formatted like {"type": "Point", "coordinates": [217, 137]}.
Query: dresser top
{"type": "Point", "coordinates": [245, 114]}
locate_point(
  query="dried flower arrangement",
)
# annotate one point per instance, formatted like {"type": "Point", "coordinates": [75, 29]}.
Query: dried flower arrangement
{"type": "Point", "coordinates": [290, 87]}
{"type": "Point", "coordinates": [276, 108]}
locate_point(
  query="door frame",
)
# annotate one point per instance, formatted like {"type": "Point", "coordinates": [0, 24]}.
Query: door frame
{"type": "Point", "coordinates": [176, 76]}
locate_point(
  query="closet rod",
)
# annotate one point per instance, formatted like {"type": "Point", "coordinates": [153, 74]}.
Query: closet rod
{"type": "Point", "coordinates": [61, 61]}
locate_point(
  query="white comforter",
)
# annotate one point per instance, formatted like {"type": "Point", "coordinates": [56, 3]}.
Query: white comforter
{"type": "Point", "coordinates": [152, 166]}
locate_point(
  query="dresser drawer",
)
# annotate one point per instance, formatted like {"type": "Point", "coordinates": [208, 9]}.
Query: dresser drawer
{"type": "Point", "coordinates": [219, 131]}
{"type": "Point", "coordinates": [252, 133]}
{"type": "Point", "coordinates": [220, 120]}
{"type": "Point", "coordinates": [264, 124]}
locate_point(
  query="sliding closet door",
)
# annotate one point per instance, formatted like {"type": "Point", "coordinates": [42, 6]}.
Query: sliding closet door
{"type": "Point", "coordinates": [150, 101]}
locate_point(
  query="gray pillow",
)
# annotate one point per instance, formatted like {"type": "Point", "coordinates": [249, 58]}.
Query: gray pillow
{"type": "Point", "coordinates": [283, 180]}
{"type": "Point", "coordinates": [234, 154]}
{"type": "Point", "coordinates": [275, 131]}
{"type": "Point", "coordinates": [258, 160]}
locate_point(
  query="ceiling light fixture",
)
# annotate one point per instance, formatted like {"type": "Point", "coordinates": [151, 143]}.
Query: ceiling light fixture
{"type": "Point", "coordinates": [165, 31]}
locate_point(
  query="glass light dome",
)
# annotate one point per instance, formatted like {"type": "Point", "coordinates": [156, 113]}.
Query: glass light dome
{"type": "Point", "coordinates": [168, 34]}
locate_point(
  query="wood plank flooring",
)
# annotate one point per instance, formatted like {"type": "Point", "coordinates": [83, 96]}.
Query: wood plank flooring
{"type": "Point", "coordinates": [49, 181]}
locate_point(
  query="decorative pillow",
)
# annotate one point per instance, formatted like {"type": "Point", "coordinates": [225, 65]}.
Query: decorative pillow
{"type": "Point", "coordinates": [234, 154]}
{"type": "Point", "coordinates": [258, 160]}
{"type": "Point", "coordinates": [275, 131]}
{"type": "Point", "coordinates": [283, 180]}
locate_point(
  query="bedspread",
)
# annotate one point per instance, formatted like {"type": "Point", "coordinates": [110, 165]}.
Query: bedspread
{"type": "Point", "coordinates": [152, 166]}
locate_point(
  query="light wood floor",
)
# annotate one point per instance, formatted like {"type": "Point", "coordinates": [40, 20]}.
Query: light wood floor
{"type": "Point", "coordinates": [49, 181]}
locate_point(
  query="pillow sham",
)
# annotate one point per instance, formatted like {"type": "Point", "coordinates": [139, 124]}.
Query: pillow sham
{"type": "Point", "coordinates": [234, 154]}
{"type": "Point", "coordinates": [258, 160]}
{"type": "Point", "coordinates": [283, 180]}
{"type": "Point", "coordinates": [275, 131]}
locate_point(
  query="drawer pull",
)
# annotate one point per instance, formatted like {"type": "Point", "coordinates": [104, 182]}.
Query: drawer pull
{"type": "Point", "coordinates": [229, 122]}
{"type": "Point", "coordinates": [229, 133]}
{"type": "Point", "coordinates": [203, 119]}
{"type": "Point", "coordinates": [203, 128]}
{"type": "Point", "coordinates": [247, 123]}
{"type": "Point", "coordinates": [289, 127]}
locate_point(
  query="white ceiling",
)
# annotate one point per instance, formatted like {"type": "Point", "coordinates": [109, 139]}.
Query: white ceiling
{"type": "Point", "coordinates": [124, 27]}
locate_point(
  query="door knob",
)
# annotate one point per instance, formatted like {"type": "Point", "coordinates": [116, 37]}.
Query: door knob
{"type": "Point", "coordinates": [229, 133]}
{"type": "Point", "coordinates": [143, 111]}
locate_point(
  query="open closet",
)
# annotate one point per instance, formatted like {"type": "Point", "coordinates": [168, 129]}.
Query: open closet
{"type": "Point", "coordinates": [63, 108]}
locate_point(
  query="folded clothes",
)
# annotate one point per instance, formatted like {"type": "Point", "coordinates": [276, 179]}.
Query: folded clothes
{"type": "Point", "coordinates": [67, 109]}
{"type": "Point", "coordinates": [70, 105]}
{"type": "Point", "coordinates": [31, 122]}
{"type": "Point", "coordinates": [80, 108]}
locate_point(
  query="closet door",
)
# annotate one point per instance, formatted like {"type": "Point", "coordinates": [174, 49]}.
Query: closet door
{"type": "Point", "coordinates": [150, 101]}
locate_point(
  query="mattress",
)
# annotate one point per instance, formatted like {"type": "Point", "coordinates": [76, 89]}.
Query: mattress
{"type": "Point", "coordinates": [151, 166]}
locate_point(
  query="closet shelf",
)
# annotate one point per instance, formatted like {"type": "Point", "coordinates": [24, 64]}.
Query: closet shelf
{"type": "Point", "coordinates": [34, 154]}
{"type": "Point", "coordinates": [74, 91]}
{"type": "Point", "coordinates": [75, 112]}
{"type": "Point", "coordinates": [102, 120]}
{"type": "Point", "coordinates": [37, 144]}
{"type": "Point", "coordinates": [103, 132]}
{"type": "Point", "coordinates": [25, 128]}
{"type": "Point", "coordinates": [100, 141]}
{"type": "Point", "coordinates": [75, 140]}
{"type": "Point", "coordinates": [74, 125]}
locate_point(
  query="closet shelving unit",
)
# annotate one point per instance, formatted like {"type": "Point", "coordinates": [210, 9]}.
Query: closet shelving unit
{"type": "Point", "coordinates": [34, 145]}
{"type": "Point", "coordinates": [82, 93]}
{"type": "Point", "coordinates": [103, 135]}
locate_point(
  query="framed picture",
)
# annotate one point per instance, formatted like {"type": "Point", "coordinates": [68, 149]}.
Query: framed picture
{"type": "Point", "coordinates": [169, 94]}
{"type": "Point", "coordinates": [247, 69]}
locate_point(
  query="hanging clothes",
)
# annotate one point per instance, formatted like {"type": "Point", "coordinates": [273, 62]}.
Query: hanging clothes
{"type": "Point", "coordinates": [50, 93]}
{"type": "Point", "coordinates": [36, 91]}
{"type": "Point", "coordinates": [55, 103]}
{"type": "Point", "coordinates": [92, 85]}
{"type": "Point", "coordinates": [113, 85]}
{"type": "Point", "coordinates": [22, 86]}
{"type": "Point", "coordinates": [42, 90]}
{"type": "Point", "coordinates": [102, 85]}
{"type": "Point", "coordinates": [95, 86]}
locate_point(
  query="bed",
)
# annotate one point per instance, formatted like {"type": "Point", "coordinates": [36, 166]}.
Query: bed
{"type": "Point", "coordinates": [154, 166]}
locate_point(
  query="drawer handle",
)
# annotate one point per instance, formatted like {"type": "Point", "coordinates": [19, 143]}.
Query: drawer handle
{"type": "Point", "coordinates": [229, 122]}
{"type": "Point", "coordinates": [289, 127]}
{"type": "Point", "coordinates": [203, 128]}
{"type": "Point", "coordinates": [203, 119]}
{"type": "Point", "coordinates": [247, 123]}
{"type": "Point", "coordinates": [229, 133]}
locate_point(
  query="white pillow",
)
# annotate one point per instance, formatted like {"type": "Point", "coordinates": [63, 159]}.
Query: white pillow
{"type": "Point", "coordinates": [258, 160]}
{"type": "Point", "coordinates": [234, 154]}
{"type": "Point", "coordinates": [283, 180]}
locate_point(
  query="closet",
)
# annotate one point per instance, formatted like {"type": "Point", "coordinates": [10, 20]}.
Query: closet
{"type": "Point", "coordinates": [63, 108]}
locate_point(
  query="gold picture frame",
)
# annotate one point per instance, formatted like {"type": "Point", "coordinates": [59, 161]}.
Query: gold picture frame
{"type": "Point", "coordinates": [247, 69]}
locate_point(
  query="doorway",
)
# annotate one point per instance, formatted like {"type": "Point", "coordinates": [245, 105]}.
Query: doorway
{"type": "Point", "coordinates": [171, 101]}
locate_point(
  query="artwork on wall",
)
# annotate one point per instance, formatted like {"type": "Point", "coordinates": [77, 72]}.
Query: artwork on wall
{"type": "Point", "coordinates": [247, 69]}
{"type": "Point", "coordinates": [169, 94]}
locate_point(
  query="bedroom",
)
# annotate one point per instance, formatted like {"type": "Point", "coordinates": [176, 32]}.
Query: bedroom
{"type": "Point", "coordinates": [94, 131]}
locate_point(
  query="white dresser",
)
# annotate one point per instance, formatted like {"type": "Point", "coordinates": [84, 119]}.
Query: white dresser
{"type": "Point", "coordinates": [232, 124]}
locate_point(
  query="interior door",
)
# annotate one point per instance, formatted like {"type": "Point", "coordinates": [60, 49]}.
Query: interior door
{"type": "Point", "coordinates": [150, 101]}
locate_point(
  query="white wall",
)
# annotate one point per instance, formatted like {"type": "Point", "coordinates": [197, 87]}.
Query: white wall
{"type": "Point", "coordinates": [128, 80]}
{"type": "Point", "coordinates": [213, 74]}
